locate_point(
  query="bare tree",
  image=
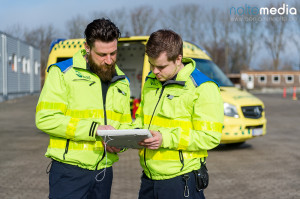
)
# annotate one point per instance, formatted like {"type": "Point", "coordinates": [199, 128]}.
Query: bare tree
{"type": "Point", "coordinates": [274, 37]}
{"type": "Point", "coordinates": [187, 20]}
{"type": "Point", "coordinates": [296, 37]}
{"type": "Point", "coordinates": [16, 30]}
{"type": "Point", "coordinates": [142, 20]}
{"type": "Point", "coordinates": [76, 26]}
{"type": "Point", "coordinates": [226, 26]}
{"type": "Point", "coordinates": [249, 33]}
{"type": "Point", "coordinates": [41, 37]}
{"type": "Point", "coordinates": [172, 20]}
{"type": "Point", "coordinates": [296, 41]}
{"type": "Point", "coordinates": [235, 57]}
{"type": "Point", "coordinates": [120, 17]}
{"type": "Point", "coordinates": [214, 44]}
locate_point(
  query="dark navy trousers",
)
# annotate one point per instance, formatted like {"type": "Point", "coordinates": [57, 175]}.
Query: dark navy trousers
{"type": "Point", "coordinates": [72, 182]}
{"type": "Point", "coordinates": [173, 188]}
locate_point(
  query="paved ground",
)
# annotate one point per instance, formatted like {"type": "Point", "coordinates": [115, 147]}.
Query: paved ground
{"type": "Point", "coordinates": [267, 167]}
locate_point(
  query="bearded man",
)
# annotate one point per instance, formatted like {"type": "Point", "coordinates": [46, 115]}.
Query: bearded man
{"type": "Point", "coordinates": [80, 96]}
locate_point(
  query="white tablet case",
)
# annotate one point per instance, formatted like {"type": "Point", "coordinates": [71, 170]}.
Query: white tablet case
{"type": "Point", "coordinates": [124, 138]}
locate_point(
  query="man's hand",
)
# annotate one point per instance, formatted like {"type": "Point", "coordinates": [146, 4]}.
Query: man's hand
{"type": "Point", "coordinates": [112, 149]}
{"type": "Point", "coordinates": [104, 127]}
{"type": "Point", "coordinates": [154, 142]}
{"type": "Point", "coordinates": [108, 148]}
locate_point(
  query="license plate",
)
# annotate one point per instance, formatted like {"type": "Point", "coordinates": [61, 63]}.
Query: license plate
{"type": "Point", "coordinates": [257, 132]}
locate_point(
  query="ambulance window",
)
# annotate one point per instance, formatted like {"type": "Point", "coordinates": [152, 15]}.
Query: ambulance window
{"type": "Point", "coordinates": [59, 59]}
{"type": "Point", "coordinates": [211, 70]}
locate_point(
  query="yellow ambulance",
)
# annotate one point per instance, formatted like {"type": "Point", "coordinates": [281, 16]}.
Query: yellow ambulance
{"type": "Point", "coordinates": [244, 115]}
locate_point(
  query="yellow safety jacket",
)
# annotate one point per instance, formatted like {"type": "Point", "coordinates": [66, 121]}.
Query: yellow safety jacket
{"type": "Point", "coordinates": [188, 112]}
{"type": "Point", "coordinates": [70, 108]}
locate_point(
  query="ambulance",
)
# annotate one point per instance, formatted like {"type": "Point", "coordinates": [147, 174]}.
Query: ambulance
{"type": "Point", "coordinates": [244, 114]}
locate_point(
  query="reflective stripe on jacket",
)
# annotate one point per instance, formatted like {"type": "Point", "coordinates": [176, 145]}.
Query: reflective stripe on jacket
{"type": "Point", "coordinates": [188, 112]}
{"type": "Point", "coordinates": [70, 108]}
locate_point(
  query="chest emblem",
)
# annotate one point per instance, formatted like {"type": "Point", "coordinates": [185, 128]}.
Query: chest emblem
{"type": "Point", "coordinates": [82, 76]}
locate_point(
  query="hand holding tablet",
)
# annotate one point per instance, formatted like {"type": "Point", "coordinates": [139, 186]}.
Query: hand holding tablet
{"type": "Point", "coordinates": [124, 138]}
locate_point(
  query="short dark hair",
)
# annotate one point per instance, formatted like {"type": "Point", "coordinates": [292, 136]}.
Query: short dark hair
{"type": "Point", "coordinates": [164, 41]}
{"type": "Point", "coordinates": [101, 29]}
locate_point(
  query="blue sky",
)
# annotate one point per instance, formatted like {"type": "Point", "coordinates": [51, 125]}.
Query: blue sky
{"type": "Point", "coordinates": [34, 13]}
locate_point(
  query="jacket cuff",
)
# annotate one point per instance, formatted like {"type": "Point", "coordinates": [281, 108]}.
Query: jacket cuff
{"type": "Point", "coordinates": [93, 129]}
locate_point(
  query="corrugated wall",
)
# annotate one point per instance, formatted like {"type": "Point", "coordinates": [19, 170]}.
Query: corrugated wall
{"type": "Point", "coordinates": [1, 67]}
{"type": "Point", "coordinates": [24, 70]}
{"type": "Point", "coordinates": [37, 70]}
{"type": "Point", "coordinates": [19, 67]}
{"type": "Point", "coordinates": [12, 76]}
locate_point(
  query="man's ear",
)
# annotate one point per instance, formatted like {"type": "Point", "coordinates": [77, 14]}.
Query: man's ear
{"type": "Point", "coordinates": [87, 48]}
{"type": "Point", "coordinates": [178, 60]}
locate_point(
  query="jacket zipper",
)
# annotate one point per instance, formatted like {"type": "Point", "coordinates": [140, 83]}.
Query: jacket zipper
{"type": "Point", "coordinates": [105, 123]}
{"type": "Point", "coordinates": [67, 148]}
{"type": "Point", "coordinates": [68, 140]}
{"type": "Point", "coordinates": [92, 82]}
{"type": "Point", "coordinates": [161, 92]}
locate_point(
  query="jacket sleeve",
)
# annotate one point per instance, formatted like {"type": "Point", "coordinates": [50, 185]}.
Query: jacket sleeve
{"type": "Point", "coordinates": [207, 122]}
{"type": "Point", "coordinates": [139, 116]}
{"type": "Point", "coordinates": [51, 111]}
{"type": "Point", "coordinates": [126, 120]}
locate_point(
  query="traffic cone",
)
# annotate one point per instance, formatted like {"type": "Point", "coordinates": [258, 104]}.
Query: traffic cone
{"type": "Point", "coordinates": [284, 93]}
{"type": "Point", "coordinates": [294, 93]}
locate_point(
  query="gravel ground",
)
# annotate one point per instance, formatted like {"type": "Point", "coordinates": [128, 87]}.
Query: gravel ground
{"type": "Point", "coordinates": [266, 167]}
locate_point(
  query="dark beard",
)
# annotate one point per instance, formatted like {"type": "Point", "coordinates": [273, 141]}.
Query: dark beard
{"type": "Point", "coordinates": [105, 73]}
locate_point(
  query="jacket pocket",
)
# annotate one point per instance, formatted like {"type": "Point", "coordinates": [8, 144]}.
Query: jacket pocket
{"type": "Point", "coordinates": [119, 99]}
{"type": "Point", "coordinates": [175, 105]}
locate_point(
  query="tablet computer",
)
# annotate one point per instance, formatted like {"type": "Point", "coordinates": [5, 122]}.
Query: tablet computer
{"type": "Point", "coordinates": [124, 138]}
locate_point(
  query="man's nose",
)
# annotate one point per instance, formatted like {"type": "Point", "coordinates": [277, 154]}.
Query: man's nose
{"type": "Point", "coordinates": [108, 60]}
{"type": "Point", "coordinates": [155, 70]}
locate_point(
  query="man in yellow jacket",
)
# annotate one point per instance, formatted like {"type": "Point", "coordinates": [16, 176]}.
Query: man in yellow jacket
{"type": "Point", "coordinates": [183, 109]}
{"type": "Point", "coordinates": [82, 95]}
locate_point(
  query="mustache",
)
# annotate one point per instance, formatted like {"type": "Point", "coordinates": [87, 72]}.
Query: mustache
{"type": "Point", "coordinates": [105, 72]}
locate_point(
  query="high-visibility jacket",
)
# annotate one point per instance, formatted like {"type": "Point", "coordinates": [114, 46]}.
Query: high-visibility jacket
{"type": "Point", "coordinates": [188, 112]}
{"type": "Point", "coordinates": [70, 108]}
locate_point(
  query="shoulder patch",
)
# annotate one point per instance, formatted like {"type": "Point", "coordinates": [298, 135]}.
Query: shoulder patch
{"type": "Point", "coordinates": [64, 66]}
{"type": "Point", "coordinates": [127, 79]}
{"type": "Point", "coordinates": [148, 75]}
{"type": "Point", "coordinates": [199, 78]}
